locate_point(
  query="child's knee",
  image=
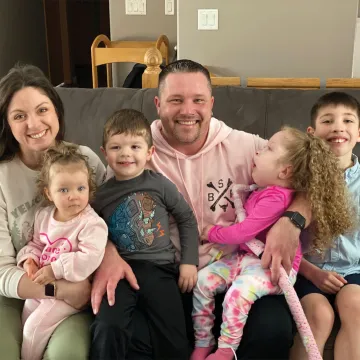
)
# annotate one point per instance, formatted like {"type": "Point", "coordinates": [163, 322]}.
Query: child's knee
{"type": "Point", "coordinates": [209, 283]}
{"type": "Point", "coordinates": [319, 312]}
{"type": "Point", "coordinates": [348, 304]}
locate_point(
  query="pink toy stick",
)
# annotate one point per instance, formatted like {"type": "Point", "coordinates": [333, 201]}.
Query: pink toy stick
{"type": "Point", "coordinates": [257, 247]}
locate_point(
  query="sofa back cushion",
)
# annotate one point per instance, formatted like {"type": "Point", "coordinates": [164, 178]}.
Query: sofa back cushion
{"type": "Point", "coordinates": [257, 111]}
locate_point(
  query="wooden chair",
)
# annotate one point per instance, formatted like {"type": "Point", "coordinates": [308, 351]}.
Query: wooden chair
{"type": "Point", "coordinates": [283, 83]}
{"type": "Point", "coordinates": [342, 83]}
{"type": "Point", "coordinates": [123, 51]}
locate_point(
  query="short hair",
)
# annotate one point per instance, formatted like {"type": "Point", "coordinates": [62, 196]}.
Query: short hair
{"type": "Point", "coordinates": [127, 121]}
{"type": "Point", "coordinates": [334, 98]}
{"type": "Point", "coordinates": [19, 77]}
{"type": "Point", "coordinates": [64, 154]}
{"type": "Point", "coordinates": [183, 66]}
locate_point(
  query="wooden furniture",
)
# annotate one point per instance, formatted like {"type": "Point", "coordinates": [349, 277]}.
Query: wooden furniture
{"type": "Point", "coordinates": [153, 58]}
{"type": "Point", "coordinates": [284, 83]}
{"type": "Point", "coordinates": [342, 83]}
{"type": "Point", "coordinates": [127, 51]}
{"type": "Point", "coordinates": [262, 83]}
{"type": "Point", "coordinates": [224, 80]}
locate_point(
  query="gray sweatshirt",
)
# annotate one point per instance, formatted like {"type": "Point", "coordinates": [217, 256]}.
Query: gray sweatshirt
{"type": "Point", "coordinates": [137, 214]}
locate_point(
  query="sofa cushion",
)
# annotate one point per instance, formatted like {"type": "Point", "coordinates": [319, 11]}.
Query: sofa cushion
{"type": "Point", "coordinates": [257, 111]}
{"type": "Point", "coordinates": [86, 110]}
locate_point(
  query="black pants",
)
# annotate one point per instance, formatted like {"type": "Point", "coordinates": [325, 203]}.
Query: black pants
{"type": "Point", "coordinates": [159, 299]}
{"type": "Point", "coordinates": [268, 333]}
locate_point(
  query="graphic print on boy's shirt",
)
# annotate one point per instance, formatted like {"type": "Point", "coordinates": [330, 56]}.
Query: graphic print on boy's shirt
{"type": "Point", "coordinates": [132, 225]}
{"type": "Point", "coordinates": [138, 211]}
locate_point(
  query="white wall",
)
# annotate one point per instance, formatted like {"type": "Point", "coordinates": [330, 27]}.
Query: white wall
{"type": "Point", "coordinates": [278, 38]}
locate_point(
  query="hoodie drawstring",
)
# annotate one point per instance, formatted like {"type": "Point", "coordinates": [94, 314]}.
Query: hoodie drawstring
{"type": "Point", "coordinates": [188, 194]}
{"type": "Point", "coordinates": [202, 193]}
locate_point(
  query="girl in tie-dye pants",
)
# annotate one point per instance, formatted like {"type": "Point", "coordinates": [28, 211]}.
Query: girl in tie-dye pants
{"type": "Point", "coordinates": [292, 161]}
{"type": "Point", "coordinates": [249, 282]}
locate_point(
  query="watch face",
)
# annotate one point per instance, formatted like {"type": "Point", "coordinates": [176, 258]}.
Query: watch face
{"type": "Point", "coordinates": [299, 219]}
{"type": "Point", "coordinates": [49, 290]}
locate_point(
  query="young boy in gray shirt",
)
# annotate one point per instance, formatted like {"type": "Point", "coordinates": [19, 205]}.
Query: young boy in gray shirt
{"type": "Point", "coordinates": [136, 204]}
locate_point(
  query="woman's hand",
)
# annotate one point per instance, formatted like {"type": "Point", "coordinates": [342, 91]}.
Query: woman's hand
{"type": "Point", "coordinates": [112, 269]}
{"type": "Point", "coordinates": [76, 294]}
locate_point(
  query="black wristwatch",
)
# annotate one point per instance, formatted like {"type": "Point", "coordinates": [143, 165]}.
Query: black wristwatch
{"type": "Point", "coordinates": [296, 218]}
{"type": "Point", "coordinates": [50, 290]}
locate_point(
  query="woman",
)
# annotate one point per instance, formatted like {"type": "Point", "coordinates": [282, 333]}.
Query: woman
{"type": "Point", "coordinates": [31, 121]}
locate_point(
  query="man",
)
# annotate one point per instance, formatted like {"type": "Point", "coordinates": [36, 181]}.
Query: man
{"type": "Point", "coordinates": [194, 150]}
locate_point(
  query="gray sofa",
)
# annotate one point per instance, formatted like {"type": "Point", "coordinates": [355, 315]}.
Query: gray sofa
{"type": "Point", "coordinates": [258, 111]}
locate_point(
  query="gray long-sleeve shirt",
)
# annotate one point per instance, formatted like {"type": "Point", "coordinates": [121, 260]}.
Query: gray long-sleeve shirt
{"type": "Point", "coordinates": [137, 214]}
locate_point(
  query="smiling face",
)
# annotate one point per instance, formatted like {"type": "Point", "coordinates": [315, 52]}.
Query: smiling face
{"type": "Point", "coordinates": [68, 189]}
{"type": "Point", "coordinates": [127, 155]}
{"type": "Point", "coordinates": [339, 127]}
{"type": "Point", "coordinates": [185, 106]}
{"type": "Point", "coordinates": [33, 120]}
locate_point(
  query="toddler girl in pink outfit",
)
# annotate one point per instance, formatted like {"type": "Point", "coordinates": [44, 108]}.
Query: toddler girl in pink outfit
{"type": "Point", "coordinates": [292, 161]}
{"type": "Point", "coordinates": [68, 243]}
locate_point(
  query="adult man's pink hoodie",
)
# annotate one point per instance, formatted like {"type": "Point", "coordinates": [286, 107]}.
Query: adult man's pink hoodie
{"type": "Point", "coordinates": [205, 179]}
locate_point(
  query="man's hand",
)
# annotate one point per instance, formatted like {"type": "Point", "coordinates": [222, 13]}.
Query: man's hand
{"type": "Point", "coordinates": [205, 233]}
{"type": "Point", "coordinates": [187, 278]}
{"type": "Point", "coordinates": [76, 294]}
{"type": "Point", "coordinates": [30, 267]}
{"type": "Point", "coordinates": [44, 276]}
{"type": "Point", "coordinates": [281, 244]}
{"type": "Point", "coordinates": [112, 269]}
{"type": "Point", "coordinates": [329, 282]}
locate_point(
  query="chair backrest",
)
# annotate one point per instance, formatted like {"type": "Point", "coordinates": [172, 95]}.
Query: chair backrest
{"type": "Point", "coordinates": [122, 51]}
{"type": "Point", "coordinates": [283, 83]}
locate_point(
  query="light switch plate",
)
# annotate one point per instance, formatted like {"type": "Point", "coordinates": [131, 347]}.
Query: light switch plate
{"type": "Point", "coordinates": [169, 7]}
{"type": "Point", "coordinates": [208, 19]}
{"type": "Point", "coordinates": [135, 7]}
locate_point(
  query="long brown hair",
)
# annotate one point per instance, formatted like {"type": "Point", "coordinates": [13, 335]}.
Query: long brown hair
{"type": "Point", "coordinates": [317, 174]}
{"type": "Point", "coordinates": [19, 77]}
{"type": "Point", "coordinates": [64, 154]}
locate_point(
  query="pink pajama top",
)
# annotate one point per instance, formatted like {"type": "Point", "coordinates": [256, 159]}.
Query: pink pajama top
{"type": "Point", "coordinates": [74, 248]}
{"type": "Point", "coordinates": [263, 208]}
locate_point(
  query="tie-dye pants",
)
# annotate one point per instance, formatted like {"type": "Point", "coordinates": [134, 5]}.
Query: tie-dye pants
{"type": "Point", "coordinates": [246, 281]}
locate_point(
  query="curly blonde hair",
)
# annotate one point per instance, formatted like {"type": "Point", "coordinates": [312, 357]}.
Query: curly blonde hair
{"type": "Point", "coordinates": [63, 154]}
{"type": "Point", "coordinates": [317, 174]}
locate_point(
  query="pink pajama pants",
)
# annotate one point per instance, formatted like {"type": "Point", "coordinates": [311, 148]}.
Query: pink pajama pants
{"type": "Point", "coordinates": [248, 282]}
{"type": "Point", "coordinates": [40, 318]}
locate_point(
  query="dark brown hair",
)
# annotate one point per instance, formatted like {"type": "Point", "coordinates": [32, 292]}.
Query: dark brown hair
{"type": "Point", "coordinates": [19, 77]}
{"type": "Point", "coordinates": [183, 66]}
{"type": "Point", "coordinates": [64, 154]}
{"type": "Point", "coordinates": [127, 121]}
{"type": "Point", "coordinates": [334, 98]}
